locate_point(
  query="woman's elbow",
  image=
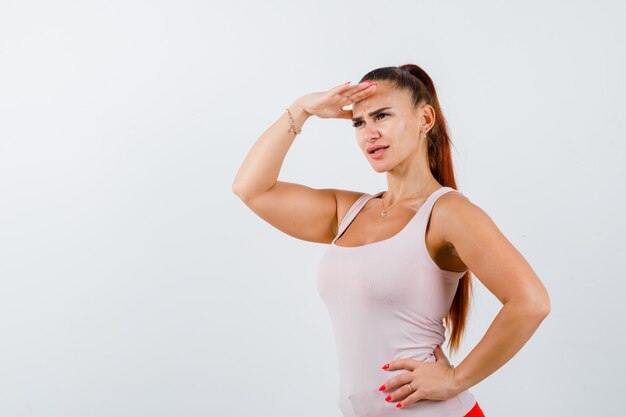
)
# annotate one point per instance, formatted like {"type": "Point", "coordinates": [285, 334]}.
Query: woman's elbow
{"type": "Point", "coordinates": [532, 305]}
{"type": "Point", "coordinates": [540, 305]}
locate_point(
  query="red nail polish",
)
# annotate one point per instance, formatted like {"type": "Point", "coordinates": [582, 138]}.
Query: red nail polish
{"type": "Point", "coordinates": [388, 398]}
{"type": "Point", "coordinates": [438, 347]}
{"type": "Point", "coordinates": [382, 388]}
{"type": "Point", "coordinates": [398, 405]}
{"type": "Point", "coordinates": [386, 366]}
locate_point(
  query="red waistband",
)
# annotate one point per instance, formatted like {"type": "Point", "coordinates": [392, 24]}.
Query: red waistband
{"type": "Point", "coordinates": [475, 411]}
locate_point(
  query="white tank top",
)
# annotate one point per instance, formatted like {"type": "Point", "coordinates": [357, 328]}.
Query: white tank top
{"type": "Point", "coordinates": [387, 301]}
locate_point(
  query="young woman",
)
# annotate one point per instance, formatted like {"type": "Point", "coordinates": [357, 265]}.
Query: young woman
{"type": "Point", "coordinates": [396, 272]}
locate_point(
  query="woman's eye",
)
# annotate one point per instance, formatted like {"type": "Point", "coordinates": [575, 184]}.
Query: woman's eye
{"type": "Point", "coordinates": [356, 124]}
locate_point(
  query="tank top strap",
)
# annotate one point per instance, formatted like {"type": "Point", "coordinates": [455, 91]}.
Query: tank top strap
{"type": "Point", "coordinates": [427, 207]}
{"type": "Point", "coordinates": [353, 211]}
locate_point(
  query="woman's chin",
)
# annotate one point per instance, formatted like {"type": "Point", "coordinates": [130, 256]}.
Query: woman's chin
{"type": "Point", "coordinates": [380, 168]}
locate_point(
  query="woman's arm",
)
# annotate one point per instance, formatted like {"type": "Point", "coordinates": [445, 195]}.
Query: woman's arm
{"type": "Point", "coordinates": [300, 211]}
{"type": "Point", "coordinates": [260, 168]}
{"type": "Point", "coordinates": [506, 273]}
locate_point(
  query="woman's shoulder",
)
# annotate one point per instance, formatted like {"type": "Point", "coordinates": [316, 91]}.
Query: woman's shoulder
{"type": "Point", "coordinates": [451, 204]}
{"type": "Point", "coordinates": [454, 211]}
{"type": "Point", "coordinates": [346, 199]}
{"type": "Point", "coordinates": [452, 196]}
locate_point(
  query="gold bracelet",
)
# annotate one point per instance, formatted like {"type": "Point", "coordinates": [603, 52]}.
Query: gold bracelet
{"type": "Point", "coordinates": [292, 124]}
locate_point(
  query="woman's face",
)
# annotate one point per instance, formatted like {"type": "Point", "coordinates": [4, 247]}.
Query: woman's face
{"type": "Point", "coordinates": [387, 118]}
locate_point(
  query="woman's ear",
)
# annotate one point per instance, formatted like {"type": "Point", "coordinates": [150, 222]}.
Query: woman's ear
{"type": "Point", "coordinates": [427, 113]}
{"type": "Point", "coordinates": [426, 117]}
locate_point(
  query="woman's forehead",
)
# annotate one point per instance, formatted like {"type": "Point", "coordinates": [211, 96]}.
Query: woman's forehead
{"type": "Point", "coordinates": [383, 97]}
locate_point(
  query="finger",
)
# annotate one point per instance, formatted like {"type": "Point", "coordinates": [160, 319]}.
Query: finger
{"type": "Point", "coordinates": [355, 88]}
{"type": "Point", "coordinates": [345, 113]}
{"type": "Point", "coordinates": [361, 95]}
{"type": "Point", "coordinates": [411, 399]}
{"type": "Point", "coordinates": [403, 393]}
{"type": "Point", "coordinates": [404, 363]}
{"type": "Point", "coordinates": [341, 88]}
{"type": "Point", "coordinates": [363, 92]}
{"type": "Point", "coordinates": [397, 382]}
{"type": "Point", "coordinates": [346, 101]}
{"type": "Point", "coordinates": [347, 89]}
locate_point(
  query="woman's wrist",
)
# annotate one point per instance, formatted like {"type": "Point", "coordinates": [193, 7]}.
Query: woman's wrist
{"type": "Point", "coordinates": [297, 115]}
{"type": "Point", "coordinates": [459, 381]}
{"type": "Point", "coordinates": [298, 110]}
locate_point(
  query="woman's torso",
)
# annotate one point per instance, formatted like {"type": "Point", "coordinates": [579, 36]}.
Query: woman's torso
{"type": "Point", "coordinates": [386, 300]}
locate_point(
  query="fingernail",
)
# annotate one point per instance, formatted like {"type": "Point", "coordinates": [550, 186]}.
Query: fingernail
{"type": "Point", "coordinates": [386, 366]}
{"type": "Point", "coordinates": [398, 405]}
{"type": "Point", "coordinates": [382, 388]}
{"type": "Point", "coordinates": [438, 347]}
{"type": "Point", "coordinates": [388, 398]}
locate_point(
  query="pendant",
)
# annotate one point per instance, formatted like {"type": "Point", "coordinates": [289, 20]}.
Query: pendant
{"type": "Point", "coordinates": [383, 213]}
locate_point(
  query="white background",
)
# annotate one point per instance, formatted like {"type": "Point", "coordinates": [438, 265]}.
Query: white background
{"type": "Point", "coordinates": [133, 282]}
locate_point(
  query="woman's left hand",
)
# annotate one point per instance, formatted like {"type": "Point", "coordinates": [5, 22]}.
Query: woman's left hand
{"type": "Point", "coordinates": [430, 381]}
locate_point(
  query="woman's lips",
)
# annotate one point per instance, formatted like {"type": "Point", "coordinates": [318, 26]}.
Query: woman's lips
{"type": "Point", "coordinates": [379, 153]}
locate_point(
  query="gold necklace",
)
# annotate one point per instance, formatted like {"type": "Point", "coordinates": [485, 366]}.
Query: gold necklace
{"type": "Point", "coordinates": [383, 213]}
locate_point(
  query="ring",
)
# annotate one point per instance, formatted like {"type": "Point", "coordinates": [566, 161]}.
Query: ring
{"type": "Point", "coordinates": [410, 387]}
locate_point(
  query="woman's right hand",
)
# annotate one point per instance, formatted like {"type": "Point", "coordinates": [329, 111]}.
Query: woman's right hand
{"type": "Point", "coordinates": [329, 104]}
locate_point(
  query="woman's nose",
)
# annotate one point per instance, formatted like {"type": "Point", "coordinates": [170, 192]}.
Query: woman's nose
{"type": "Point", "coordinates": [370, 132]}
